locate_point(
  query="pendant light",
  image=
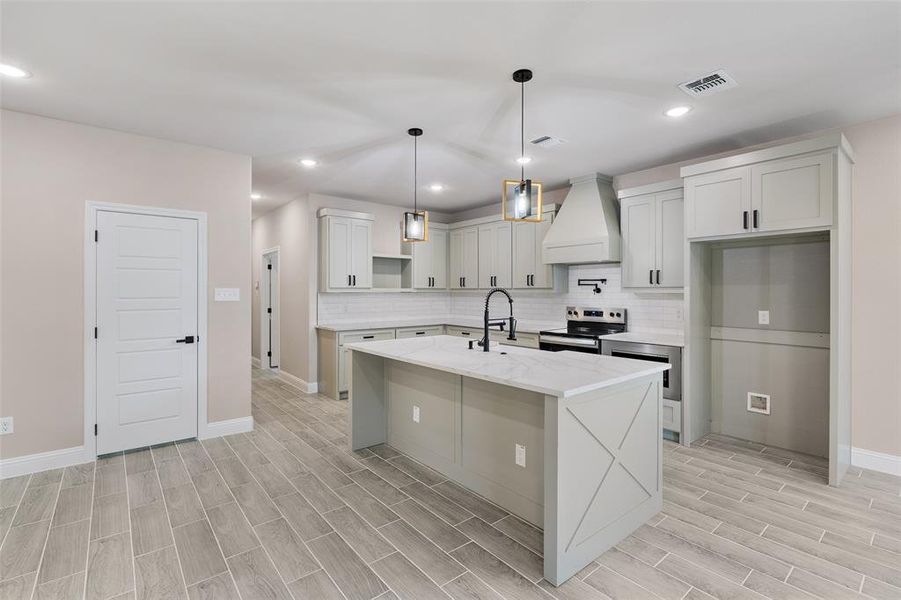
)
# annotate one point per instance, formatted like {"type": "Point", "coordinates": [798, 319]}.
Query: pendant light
{"type": "Point", "coordinates": [416, 223]}
{"type": "Point", "coordinates": [521, 199]}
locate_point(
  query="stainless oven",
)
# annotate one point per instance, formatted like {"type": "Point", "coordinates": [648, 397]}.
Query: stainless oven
{"type": "Point", "coordinates": [672, 379]}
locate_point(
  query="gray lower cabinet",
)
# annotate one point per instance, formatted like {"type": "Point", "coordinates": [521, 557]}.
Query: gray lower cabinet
{"type": "Point", "coordinates": [413, 332]}
{"type": "Point", "coordinates": [672, 415]}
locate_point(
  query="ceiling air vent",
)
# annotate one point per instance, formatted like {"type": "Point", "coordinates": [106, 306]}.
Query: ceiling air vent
{"type": "Point", "coordinates": [547, 141]}
{"type": "Point", "coordinates": [709, 84]}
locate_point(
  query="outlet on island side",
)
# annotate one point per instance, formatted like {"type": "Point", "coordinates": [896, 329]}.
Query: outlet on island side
{"type": "Point", "coordinates": [763, 317]}
{"type": "Point", "coordinates": [6, 425]}
{"type": "Point", "coordinates": [520, 455]}
{"type": "Point", "coordinates": [415, 414]}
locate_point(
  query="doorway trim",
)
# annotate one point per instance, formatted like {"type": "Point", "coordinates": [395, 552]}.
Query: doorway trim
{"type": "Point", "coordinates": [263, 320]}
{"type": "Point", "coordinates": [90, 309]}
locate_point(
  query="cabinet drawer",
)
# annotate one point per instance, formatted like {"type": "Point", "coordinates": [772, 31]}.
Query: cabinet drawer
{"type": "Point", "coordinates": [468, 332]}
{"type": "Point", "coordinates": [365, 336]}
{"type": "Point", "coordinates": [525, 340]}
{"type": "Point", "coordinates": [411, 332]}
{"type": "Point", "coordinates": [672, 415]}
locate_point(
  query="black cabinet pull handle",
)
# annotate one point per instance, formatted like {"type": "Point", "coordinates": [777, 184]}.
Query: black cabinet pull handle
{"type": "Point", "coordinates": [651, 276]}
{"type": "Point", "coordinates": [464, 333]}
{"type": "Point", "coordinates": [188, 339]}
{"type": "Point", "coordinates": [658, 276]}
{"type": "Point", "coordinates": [756, 219]}
{"type": "Point", "coordinates": [464, 281]}
{"type": "Point", "coordinates": [355, 281]}
{"type": "Point", "coordinates": [744, 220]}
{"type": "Point", "coordinates": [368, 337]}
{"type": "Point", "coordinates": [420, 333]}
{"type": "Point", "coordinates": [348, 281]}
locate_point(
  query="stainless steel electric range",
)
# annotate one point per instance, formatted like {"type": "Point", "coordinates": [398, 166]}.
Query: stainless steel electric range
{"type": "Point", "coordinates": [584, 329]}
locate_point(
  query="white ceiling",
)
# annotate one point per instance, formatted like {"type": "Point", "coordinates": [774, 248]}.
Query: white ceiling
{"type": "Point", "coordinates": [342, 82]}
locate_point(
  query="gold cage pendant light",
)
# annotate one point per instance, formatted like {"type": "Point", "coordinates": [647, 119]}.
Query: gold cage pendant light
{"type": "Point", "coordinates": [521, 199]}
{"type": "Point", "coordinates": [416, 223]}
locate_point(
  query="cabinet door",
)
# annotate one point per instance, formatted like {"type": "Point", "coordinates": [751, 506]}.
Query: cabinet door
{"type": "Point", "coordinates": [470, 270]}
{"type": "Point", "coordinates": [542, 274]}
{"type": "Point", "coordinates": [793, 193]}
{"type": "Point", "coordinates": [716, 202]}
{"type": "Point", "coordinates": [438, 247]}
{"type": "Point", "coordinates": [524, 241]}
{"type": "Point", "coordinates": [670, 239]}
{"type": "Point", "coordinates": [638, 217]}
{"type": "Point", "coordinates": [495, 254]}
{"type": "Point", "coordinates": [423, 262]}
{"type": "Point", "coordinates": [361, 253]}
{"type": "Point", "coordinates": [456, 259]}
{"type": "Point", "coordinates": [339, 252]}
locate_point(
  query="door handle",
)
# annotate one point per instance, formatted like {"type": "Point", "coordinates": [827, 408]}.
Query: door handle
{"type": "Point", "coordinates": [756, 219]}
{"type": "Point", "coordinates": [355, 280]}
{"type": "Point", "coordinates": [744, 220]}
{"type": "Point", "coordinates": [348, 281]}
{"type": "Point", "coordinates": [464, 281]}
{"type": "Point", "coordinates": [658, 276]}
{"type": "Point", "coordinates": [651, 276]}
{"type": "Point", "coordinates": [188, 339]}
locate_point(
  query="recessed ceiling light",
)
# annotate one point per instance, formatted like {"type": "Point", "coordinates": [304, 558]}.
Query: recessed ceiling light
{"type": "Point", "coordinates": [256, 196]}
{"type": "Point", "coordinates": [436, 187]}
{"type": "Point", "coordinates": [524, 160]}
{"type": "Point", "coordinates": [13, 71]}
{"type": "Point", "coordinates": [678, 111]}
{"type": "Point", "coordinates": [308, 162]}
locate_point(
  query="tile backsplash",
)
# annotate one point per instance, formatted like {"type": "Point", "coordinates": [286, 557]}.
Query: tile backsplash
{"type": "Point", "coordinates": [647, 312]}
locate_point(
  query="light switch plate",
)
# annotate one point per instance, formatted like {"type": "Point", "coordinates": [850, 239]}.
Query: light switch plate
{"type": "Point", "coordinates": [520, 455]}
{"type": "Point", "coordinates": [763, 317]}
{"type": "Point", "coordinates": [6, 425]}
{"type": "Point", "coordinates": [228, 295]}
{"type": "Point", "coordinates": [415, 414]}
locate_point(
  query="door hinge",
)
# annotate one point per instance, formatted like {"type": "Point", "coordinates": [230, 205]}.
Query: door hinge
{"type": "Point", "coordinates": [95, 428]}
{"type": "Point", "coordinates": [95, 333]}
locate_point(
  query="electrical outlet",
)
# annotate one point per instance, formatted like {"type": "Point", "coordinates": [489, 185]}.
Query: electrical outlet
{"type": "Point", "coordinates": [415, 414]}
{"type": "Point", "coordinates": [6, 425]}
{"type": "Point", "coordinates": [520, 455]}
{"type": "Point", "coordinates": [763, 317]}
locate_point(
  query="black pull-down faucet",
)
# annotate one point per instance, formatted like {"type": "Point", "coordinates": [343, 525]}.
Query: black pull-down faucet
{"type": "Point", "coordinates": [485, 342]}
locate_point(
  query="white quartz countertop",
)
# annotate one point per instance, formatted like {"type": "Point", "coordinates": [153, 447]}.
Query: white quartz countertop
{"type": "Point", "coordinates": [525, 326]}
{"type": "Point", "coordinates": [648, 337]}
{"type": "Point", "coordinates": [561, 374]}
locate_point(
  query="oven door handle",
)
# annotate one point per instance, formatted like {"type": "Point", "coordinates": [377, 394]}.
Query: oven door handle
{"type": "Point", "coordinates": [566, 341]}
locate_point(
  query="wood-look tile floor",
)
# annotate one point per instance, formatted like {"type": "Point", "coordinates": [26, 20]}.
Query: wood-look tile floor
{"type": "Point", "coordinates": [286, 512]}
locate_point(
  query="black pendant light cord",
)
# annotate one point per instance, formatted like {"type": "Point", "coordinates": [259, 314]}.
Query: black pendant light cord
{"type": "Point", "coordinates": [522, 130]}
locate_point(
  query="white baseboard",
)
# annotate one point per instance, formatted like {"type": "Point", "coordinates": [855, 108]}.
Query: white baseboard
{"type": "Point", "coordinates": [304, 386]}
{"type": "Point", "coordinates": [255, 362]}
{"type": "Point", "coordinates": [227, 427]}
{"type": "Point", "coordinates": [43, 461]}
{"type": "Point", "coordinates": [876, 461]}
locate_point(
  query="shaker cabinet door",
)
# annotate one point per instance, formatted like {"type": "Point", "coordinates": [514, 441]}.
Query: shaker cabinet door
{"type": "Point", "coordinates": [718, 203]}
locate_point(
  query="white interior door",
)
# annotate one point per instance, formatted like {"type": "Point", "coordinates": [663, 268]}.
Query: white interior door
{"type": "Point", "coordinates": [272, 310]}
{"type": "Point", "coordinates": [147, 291]}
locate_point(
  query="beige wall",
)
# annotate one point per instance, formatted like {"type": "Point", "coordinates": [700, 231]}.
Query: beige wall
{"type": "Point", "coordinates": [294, 228]}
{"type": "Point", "coordinates": [50, 168]}
{"type": "Point", "coordinates": [876, 288]}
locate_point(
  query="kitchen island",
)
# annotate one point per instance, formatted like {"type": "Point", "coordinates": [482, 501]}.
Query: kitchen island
{"type": "Point", "coordinates": [568, 441]}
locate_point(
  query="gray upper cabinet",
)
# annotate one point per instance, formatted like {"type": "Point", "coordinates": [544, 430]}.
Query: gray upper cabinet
{"type": "Point", "coordinates": [653, 236]}
{"type": "Point", "coordinates": [495, 254]}
{"type": "Point", "coordinates": [345, 246]}
{"type": "Point", "coordinates": [783, 194]}
{"type": "Point", "coordinates": [464, 258]}
{"type": "Point", "coordinates": [529, 270]}
{"type": "Point", "coordinates": [430, 260]}
{"type": "Point", "coordinates": [718, 203]}
{"type": "Point", "coordinates": [793, 193]}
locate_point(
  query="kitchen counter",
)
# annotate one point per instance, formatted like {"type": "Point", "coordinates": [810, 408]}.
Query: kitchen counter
{"type": "Point", "coordinates": [567, 441]}
{"type": "Point", "coordinates": [560, 374]}
{"type": "Point", "coordinates": [648, 337]}
{"type": "Point", "coordinates": [526, 326]}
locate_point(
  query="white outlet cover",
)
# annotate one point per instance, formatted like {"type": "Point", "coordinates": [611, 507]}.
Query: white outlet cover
{"type": "Point", "coordinates": [763, 317]}
{"type": "Point", "coordinates": [415, 414]}
{"type": "Point", "coordinates": [6, 425]}
{"type": "Point", "coordinates": [227, 295]}
{"type": "Point", "coordinates": [520, 455]}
